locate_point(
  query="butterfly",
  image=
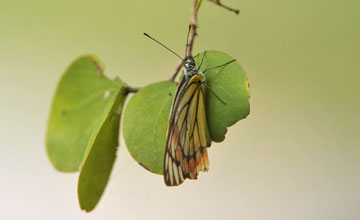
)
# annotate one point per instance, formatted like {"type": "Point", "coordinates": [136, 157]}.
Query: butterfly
{"type": "Point", "coordinates": [187, 134]}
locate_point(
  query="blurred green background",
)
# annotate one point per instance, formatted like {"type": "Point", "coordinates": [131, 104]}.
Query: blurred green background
{"type": "Point", "coordinates": [296, 156]}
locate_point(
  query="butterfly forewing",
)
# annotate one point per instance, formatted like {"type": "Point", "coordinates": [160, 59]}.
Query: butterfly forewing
{"type": "Point", "coordinates": [187, 135]}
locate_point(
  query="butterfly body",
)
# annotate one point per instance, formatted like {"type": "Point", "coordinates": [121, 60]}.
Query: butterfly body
{"type": "Point", "coordinates": [187, 134]}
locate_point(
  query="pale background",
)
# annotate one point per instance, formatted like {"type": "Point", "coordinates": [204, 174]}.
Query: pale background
{"type": "Point", "coordinates": [297, 155]}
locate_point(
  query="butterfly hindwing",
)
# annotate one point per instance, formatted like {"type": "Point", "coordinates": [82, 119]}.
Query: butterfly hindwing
{"type": "Point", "coordinates": [187, 136]}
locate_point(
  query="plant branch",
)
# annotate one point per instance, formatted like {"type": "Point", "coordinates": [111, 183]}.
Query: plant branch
{"type": "Point", "coordinates": [193, 27]}
{"type": "Point", "coordinates": [192, 33]}
{"type": "Point", "coordinates": [190, 40]}
{"type": "Point", "coordinates": [132, 90]}
{"type": "Point", "coordinates": [177, 69]}
{"type": "Point", "coordinates": [217, 2]}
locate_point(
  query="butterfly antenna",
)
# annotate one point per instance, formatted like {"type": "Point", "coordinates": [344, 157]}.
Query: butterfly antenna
{"type": "Point", "coordinates": [163, 46]}
{"type": "Point", "coordinates": [207, 86]}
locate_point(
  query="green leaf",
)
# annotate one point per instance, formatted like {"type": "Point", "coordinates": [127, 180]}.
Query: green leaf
{"type": "Point", "coordinates": [147, 113]}
{"type": "Point", "coordinates": [145, 123]}
{"type": "Point", "coordinates": [82, 102]}
{"type": "Point", "coordinates": [98, 164]}
{"type": "Point", "coordinates": [231, 85]}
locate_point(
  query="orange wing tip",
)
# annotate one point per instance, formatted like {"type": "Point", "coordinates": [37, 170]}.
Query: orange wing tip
{"type": "Point", "coordinates": [199, 162]}
{"type": "Point", "coordinates": [186, 167]}
{"type": "Point", "coordinates": [206, 159]}
{"type": "Point", "coordinates": [192, 169]}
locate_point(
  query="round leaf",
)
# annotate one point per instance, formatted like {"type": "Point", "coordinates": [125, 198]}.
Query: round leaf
{"type": "Point", "coordinates": [82, 101]}
{"type": "Point", "coordinates": [145, 123]}
{"type": "Point", "coordinates": [98, 164]}
{"type": "Point", "coordinates": [231, 85]}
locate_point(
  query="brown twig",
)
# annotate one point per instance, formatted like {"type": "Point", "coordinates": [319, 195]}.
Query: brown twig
{"type": "Point", "coordinates": [177, 69]}
{"type": "Point", "coordinates": [217, 2]}
{"type": "Point", "coordinates": [193, 27]}
{"type": "Point", "coordinates": [192, 33]}
{"type": "Point", "coordinates": [132, 90]}
{"type": "Point", "coordinates": [190, 40]}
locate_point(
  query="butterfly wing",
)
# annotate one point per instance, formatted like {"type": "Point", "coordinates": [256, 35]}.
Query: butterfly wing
{"type": "Point", "coordinates": [187, 135]}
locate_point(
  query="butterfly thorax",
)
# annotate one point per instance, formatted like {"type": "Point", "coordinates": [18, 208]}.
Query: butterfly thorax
{"type": "Point", "coordinates": [191, 70]}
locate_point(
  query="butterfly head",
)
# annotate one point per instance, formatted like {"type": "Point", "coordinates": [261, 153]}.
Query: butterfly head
{"type": "Point", "coordinates": [190, 69]}
{"type": "Point", "coordinates": [189, 64]}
